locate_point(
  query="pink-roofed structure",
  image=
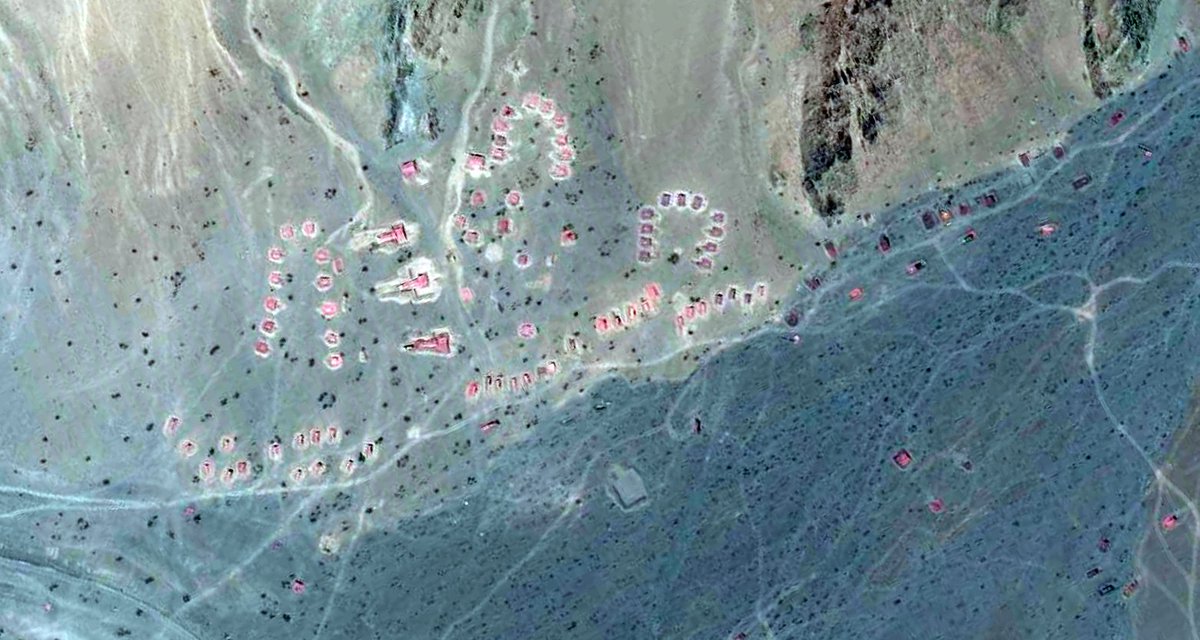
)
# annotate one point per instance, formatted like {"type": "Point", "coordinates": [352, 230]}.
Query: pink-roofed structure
{"type": "Point", "coordinates": [415, 283]}
{"type": "Point", "coordinates": [171, 425]}
{"type": "Point", "coordinates": [475, 162]}
{"type": "Point", "coordinates": [388, 239]}
{"type": "Point", "coordinates": [438, 343]}
{"type": "Point", "coordinates": [409, 169]}
{"type": "Point", "coordinates": [568, 237]}
{"type": "Point", "coordinates": [414, 172]}
{"type": "Point", "coordinates": [560, 171]}
{"type": "Point", "coordinates": [395, 234]}
{"type": "Point", "coordinates": [262, 348]}
{"type": "Point", "coordinates": [329, 309]}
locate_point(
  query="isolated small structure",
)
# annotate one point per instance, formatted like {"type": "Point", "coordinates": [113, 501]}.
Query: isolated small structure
{"type": "Point", "coordinates": [414, 171]}
{"type": "Point", "coordinates": [626, 487]}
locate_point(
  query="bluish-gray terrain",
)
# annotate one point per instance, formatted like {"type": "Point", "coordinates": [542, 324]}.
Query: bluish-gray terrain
{"type": "Point", "coordinates": [985, 431]}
